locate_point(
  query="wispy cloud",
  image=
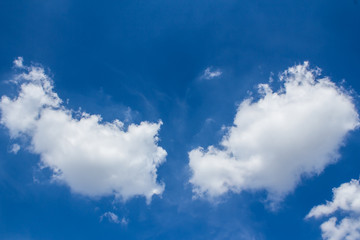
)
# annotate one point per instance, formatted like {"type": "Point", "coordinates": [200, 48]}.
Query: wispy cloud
{"type": "Point", "coordinates": [18, 62]}
{"type": "Point", "coordinates": [211, 73]}
{"type": "Point", "coordinates": [113, 218]}
{"type": "Point", "coordinates": [15, 148]}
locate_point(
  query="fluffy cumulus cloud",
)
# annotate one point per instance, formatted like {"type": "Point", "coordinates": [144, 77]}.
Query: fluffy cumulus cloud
{"type": "Point", "coordinates": [93, 157]}
{"type": "Point", "coordinates": [346, 200]}
{"type": "Point", "coordinates": [279, 138]}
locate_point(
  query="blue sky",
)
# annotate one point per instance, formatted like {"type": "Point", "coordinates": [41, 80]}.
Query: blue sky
{"type": "Point", "coordinates": [190, 64]}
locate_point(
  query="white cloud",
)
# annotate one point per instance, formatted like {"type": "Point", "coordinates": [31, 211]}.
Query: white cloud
{"type": "Point", "coordinates": [124, 221]}
{"type": "Point", "coordinates": [112, 217]}
{"type": "Point", "coordinates": [347, 229]}
{"type": "Point", "coordinates": [15, 148]}
{"type": "Point", "coordinates": [277, 139]}
{"type": "Point", "coordinates": [210, 74]}
{"type": "Point", "coordinates": [94, 158]}
{"type": "Point", "coordinates": [346, 199]}
{"type": "Point", "coordinates": [19, 62]}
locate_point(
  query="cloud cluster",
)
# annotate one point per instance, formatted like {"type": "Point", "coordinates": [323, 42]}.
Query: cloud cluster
{"type": "Point", "coordinates": [346, 199]}
{"type": "Point", "coordinates": [93, 157]}
{"type": "Point", "coordinates": [279, 138]}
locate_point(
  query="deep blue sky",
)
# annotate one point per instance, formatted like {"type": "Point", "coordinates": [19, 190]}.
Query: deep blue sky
{"type": "Point", "coordinates": [108, 56]}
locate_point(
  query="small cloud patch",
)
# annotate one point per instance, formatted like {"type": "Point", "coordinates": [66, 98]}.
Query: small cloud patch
{"type": "Point", "coordinates": [211, 73]}
{"type": "Point", "coordinates": [113, 218]}
{"type": "Point", "coordinates": [15, 148]}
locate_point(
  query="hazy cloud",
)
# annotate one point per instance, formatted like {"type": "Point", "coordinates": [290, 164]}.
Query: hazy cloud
{"type": "Point", "coordinates": [211, 73]}
{"type": "Point", "coordinates": [113, 218]}
{"type": "Point", "coordinates": [15, 148]}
